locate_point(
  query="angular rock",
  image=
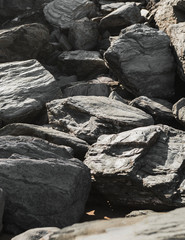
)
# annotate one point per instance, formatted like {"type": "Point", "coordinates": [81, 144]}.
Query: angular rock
{"type": "Point", "coordinates": [79, 146]}
{"type": "Point", "coordinates": [159, 109]}
{"type": "Point", "coordinates": [23, 42]}
{"type": "Point", "coordinates": [49, 192]}
{"type": "Point", "coordinates": [25, 88]}
{"type": "Point", "coordinates": [65, 13]}
{"type": "Point", "coordinates": [84, 64]}
{"type": "Point", "coordinates": [115, 96]}
{"type": "Point", "coordinates": [134, 58]}
{"type": "Point", "coordinates": [124, 16]}
{"type": "Point", "coordinates": [83, 34]}
{"type": "Point", "coordinates": [179, 111]}
{"type": "Point", "coordinates": [88, 117]}
{"type": "Point", "coordinates": [110, 7]}
{"type": "Point", "coordinates": [2, 204]}
{"type": "Point", "coordinates": [176, 33]}
{"type": "Point", "coordinates": [141, 168]}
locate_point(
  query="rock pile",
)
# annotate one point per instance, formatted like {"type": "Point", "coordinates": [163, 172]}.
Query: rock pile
{"type": "Point", "coordinates": [92, 101]}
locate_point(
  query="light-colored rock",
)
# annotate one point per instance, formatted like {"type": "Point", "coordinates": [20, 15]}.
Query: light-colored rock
{"type": "Point", "coordinates": [43, 193]}
{"type": "Point", "coordinates": [23, 42]}
{"type": "Point", "coordinates": [179, 111]}
{"type": "Point", "coordinates": [64, 13]}
{"type": "Point", "coordinates": [124, 16]}
{"type": "Point", "coordinates": [110, 7]}
{"type": "Point", "coordinates": [140, 168]}
{"type": "Point", "coordinates": [25, 88]}
{"type": "Point", "coordinates": [134, 58]}
{"type": "Point", "coordinates": [88, 117]}
{"type": "Point", "coordinates": [2, 204]}
{"type": "Point", "coordinates": [84, 64]}
{"type": "Point", "coordinates": [79, 146]}
{"type": "Point", "coordinates": [115, 96]}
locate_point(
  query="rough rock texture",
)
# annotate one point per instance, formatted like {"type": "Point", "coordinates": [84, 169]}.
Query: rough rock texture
{"type": "Point", "coordinates": [159, 109]}
{"type": "Point", "coordinates": [79, 146]}
{"type": "Point", "coordinates": [83, 34]}
{"type": "Point", "coordinates": [23, 42]}
{"type": "Point", "coordinates": [124, 16]}
{"type": "Point", "coordinates": [179, 111]}
{"type": "Point", "coordinates": [176, 33]}
{"type": "Point", "coordinates": [64, 13]}
{"type": "Point", "coordinates": [134, 58]}
{"type": "Point", "coordinates": [25, 88]}
{"type": "Point", "coordinates": [84, 64]}
{"type": "Point", "coordinates": [140, 168]}
{"type": "Point", "coordinates": [50, 192]}
{"type": "Point", "coordinates": [110, 7]}
{"type": "Point", "coordinates": [89, 116]}
{"type": "Point", "coordinates": [2, 204]}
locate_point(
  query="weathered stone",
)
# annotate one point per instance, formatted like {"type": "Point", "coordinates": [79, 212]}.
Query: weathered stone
{"type": "Point", "coordinates": [22, 42]}
{"type": "Point", "coordinates": [66, 81]}
{"type": "Point", "coordinates": [2, 204]}
{"type": "Point", "coordinates": [159, 109]}
{"type": "Point", "coordinates": [65, 13]}
{"type": "Point", "coordinates": [79, 146]}
{"type": "Point", "coordinates": [134, 58]}
{"type": "Point", "coordinates": [115, 96]}
{"type": "Point", "coordinates": [176, 33]}
{"type": "Point", "coordinates": [84, 64]}
{"type": "Point", "coordinates": [88, 117]}
{"type": "Point", "coordinates": [140, 168]}
{"type": "Point", "coordinates": [124, 16]}
{"type": "Point", "coordinates": [110, 7]}
{"type": "Point", "coordinates": [25, 88]}
{"type": "Point", "coordinates": [83, 34]}
{"type": "Point", "coordinates": [179, 111]}
{"type": "Point", "coordinates": [49, 192]}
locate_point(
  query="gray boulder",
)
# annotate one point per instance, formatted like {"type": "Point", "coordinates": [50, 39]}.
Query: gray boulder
{"type": "Point", "coordinates": [65, 13]}
{"type": "Point", "coordinates": [2, 204]}
{"type": "Point", "coordinates": [79, 146]}
{"type": "Point", "coordinates": [47, 192]}
{"type": "Point", "coordinates": [25, 88]}
{"type": "Point", "coordinates": [134, 58]}
{"type": "Point", "coordinates": [179, 111]}
{"type": "Point", "coordinates": [141, 168]}
{"type": "Point", "coordinates": [84, 64]}
{"type": "Point", "coordinates": [110, 7]}
{"type": "Point", "coordinates": [88, 117]}
{"type": "Point", "coordinates": [124, 16]}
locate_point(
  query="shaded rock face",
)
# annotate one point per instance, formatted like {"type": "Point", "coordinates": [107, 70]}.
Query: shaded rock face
{"type": "Point", "coordinates": [49, 192]}
{"type": "Point", "coordinates": [23, 42]}
{"type": "Point", "coordinates": [25, 88]}
{"type": "Point", "coordinates": [134, 57]}
{"type": "Point", "coordinates": [64, 13]}
{"type": "Point", "coordinates": [88, 117]}
{"type": "Point", "coordinates": [2, 203]}
{"type": "Point", "coordinates": [179, 111]}
{"type": "Point", "coordinates": [141, 168]}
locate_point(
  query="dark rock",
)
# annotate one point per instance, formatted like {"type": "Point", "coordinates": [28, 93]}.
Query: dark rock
{"type": "Point", "coordinates": [179, 111]}
{"type": "Point", "coordinates": [2, 204]}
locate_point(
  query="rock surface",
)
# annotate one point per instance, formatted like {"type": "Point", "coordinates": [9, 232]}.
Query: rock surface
{"type": "Point", "coordinates": [49, 192]}
{"type": "Point", "coordinates": [140, 168]}
{"type": "Point", "coordinates": [2, 204]}
{"type": "Point", "coordinates": [179, 111]}
{"type": "Point", "coordinates": [25, 88]}
{"type": "Point", "coordinates": [88, 117]}
{"type": "Point", "coordinates": [134, 58]}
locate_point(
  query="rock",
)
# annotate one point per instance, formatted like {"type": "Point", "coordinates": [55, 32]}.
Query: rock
{"type": "Point", "coordinates": [110, 7]}
{"type": "Point", "coordinates": [2, 204]}
{"type": "Point", "coordinates": [179, 111]}
{"type": "Point", "coordinates": [137, 213]}
{"type": "Point", "coordinates": [47, 192]}
{"type": "Point", "coordinates": [66, 81]}
{"type": "Point", "coordinates": [65, 13]}
{"type": "Point", "coordinates": [88, 117]}
{"type": "Point", "coordinates": [23, 42]}
{"type": "Point", "coordinates": [124, 16]}
{"type": "Point", "coordinates": [141, 168]}
{"type": "Point", "coordinates": [115, 96]}
{"type": "Point", "coordinates": [79, 146]}
{"type": "Point", "coordinates": [134, 58]}
{"type": "Point", "coordinates": [84, 64]}
{"type": "Point", "coordinates": [25, 88]}
{"type": "Point", "coordinates": [83, 34]}
{"type": "Point", "coordinates": [176, 33]}
{"type": "Point", "coordinates": [159, 109]}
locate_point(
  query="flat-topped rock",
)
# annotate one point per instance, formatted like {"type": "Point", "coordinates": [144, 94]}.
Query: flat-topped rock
{"type": "Point", "coordinates": [88, 117]}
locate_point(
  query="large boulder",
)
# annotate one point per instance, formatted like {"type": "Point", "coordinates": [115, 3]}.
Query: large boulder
{"type": "Point", "coordinates": [89, 116]}
{"type": "Point", "coordinates": [179, 111]}
{"type": "Point", "coordinates": [23, 42]}
{"type": "Point", "coordinates": [142, 60]}
{"type": "Point", "coordinates": [2, 204]}
{"type": "Point", "coordinates": [141, 168]}
{"type": "Point", "coordinates": [64, 13]}
{"type": "Point", "coordinates": [25, 88]}
{"type": "Point", "coordinates": [43, 193]}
